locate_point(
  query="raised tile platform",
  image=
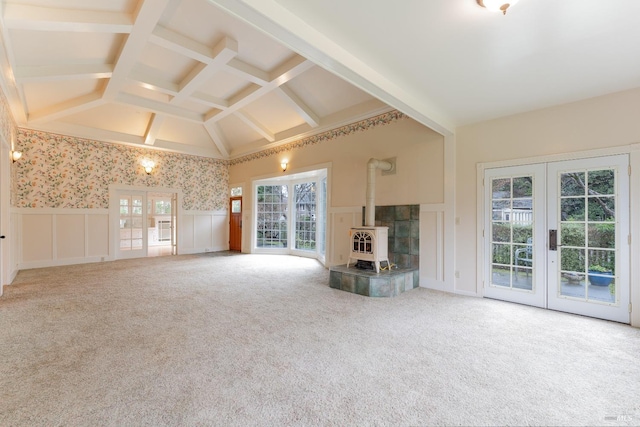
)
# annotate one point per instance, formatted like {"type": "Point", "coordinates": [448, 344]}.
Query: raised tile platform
{"type": "Point", "coordinates": [387, 283]}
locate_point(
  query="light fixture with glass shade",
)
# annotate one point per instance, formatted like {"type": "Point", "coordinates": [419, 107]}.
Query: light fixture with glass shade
{"type": "Point", "coordinates": [148, 166]}
{"type": "Point", "coordinates": [497, 5]}
{"type": "Point", "coordinates": [284, 165]}
{"type": "Point", "coordinates": [15, 156]}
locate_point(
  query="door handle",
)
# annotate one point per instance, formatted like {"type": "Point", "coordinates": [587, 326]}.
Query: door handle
{"type": "Point", "coordinates": [553, 240]}
{"type": "Point", "coordinates": [2, 237]}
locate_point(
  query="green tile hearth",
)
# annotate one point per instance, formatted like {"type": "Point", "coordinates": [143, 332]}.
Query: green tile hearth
{"type": "Point", "coordinates": [369, 283]}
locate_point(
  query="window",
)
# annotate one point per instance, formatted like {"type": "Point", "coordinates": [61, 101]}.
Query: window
{"type": "Point", "coordinates": [272, 204]}
{"type": "Point", "coordinates": [291, 213]}
{"type": "Point", "coordinates": [236, 191]}
{"type": "Point", "coordinates": [305, 208]}
{"type": "Point", "coordinates": [163, 207]}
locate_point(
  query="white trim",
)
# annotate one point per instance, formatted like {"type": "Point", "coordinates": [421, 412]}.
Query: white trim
{"type": "Point", "coordinates": [550, 158]}
{"type": "Point", "coordinates": [634, 230]}
{"type": "Point", "coordinates": [61, 262]}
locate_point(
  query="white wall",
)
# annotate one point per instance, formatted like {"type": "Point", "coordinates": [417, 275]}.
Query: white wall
{"type": "Point", "coordinates": [607, 124]}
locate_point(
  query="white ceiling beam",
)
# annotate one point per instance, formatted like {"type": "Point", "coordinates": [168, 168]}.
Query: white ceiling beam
{"type": "Point", "coordinates": [67, 108]}
{"type": "Point", "coordinates": [274, 19]}
{"type": "Point", "coordinates": [286, 71]}
{"type": "Point", "coordinates": [149, 78]}
{"type": "Point", "coordinates": [299, 106]}
{"type": "Point", "coordinates": [148, 14]}
{"type": "Point", "coordinates": [256, 125]}
{"type": "Point", "coordinates": [155, 124]}
{"type": "Point", "coordinates": [14, 91]}
{"type": "Point", "coordinates": [158, 107]}
{"type": "Point", "coordinates": [217, 138]}
{"type": "Point", "coordinates": [209, 100]}
{"type": "Point", "coordinates": [248, 72]}
{"type": "Point", "coordinates": [223, 52]}
{"type": "Point", "coordinates": [183, 45]}
{"type": "Point", "coordinates": [48, 73]}
{"type": "Point", "coordinates": [37, 18]}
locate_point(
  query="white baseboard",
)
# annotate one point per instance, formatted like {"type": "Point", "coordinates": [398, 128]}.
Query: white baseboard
{"type": "Point", "coordinates": [467, 293]}
{"type": "Point", "coordinates": [61, 262]}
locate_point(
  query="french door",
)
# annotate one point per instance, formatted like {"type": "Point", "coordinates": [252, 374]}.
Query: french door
{"type": "Point", "coordinates": [556, 236]}
{"type": "Point", "coordinates": [132, 237]}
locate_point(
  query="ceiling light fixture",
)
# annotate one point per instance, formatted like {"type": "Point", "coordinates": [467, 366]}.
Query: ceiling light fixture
{"type": "Point", "coordinates": [497, 5]}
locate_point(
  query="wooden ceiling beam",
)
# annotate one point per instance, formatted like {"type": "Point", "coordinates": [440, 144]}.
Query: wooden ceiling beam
{"type": "Point", "coordinates": [38, 18]}
{"type": "Point", "coordinates": [255, 125]}
{"type": "Point", "coordinates": [159, 107]}
{"type": "Point", "coordinates": [49, 73]}
{"type": "Point", "coordinates": [153, 129]}
{"type": "Point", "coordinates": [147, 17]}
{"type": "Point", "coordinates": [180, 44]}
{"type": "Point", "coordinates": [72, 106]}
{"type": "Point", "coordinates": [248, 72]}
{"type": "Point", "coordinates": [223, 52]}
{"type": "Point", "coordinates": [298, 105]}
{"type": "Point", "coordinates": [216, 136]}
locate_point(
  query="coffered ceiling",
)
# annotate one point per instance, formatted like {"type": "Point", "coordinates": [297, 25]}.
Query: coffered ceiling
{"type": "Point", "coordinates": [181, 75]}
{"type": "Point", "coordinates": [225, 78]}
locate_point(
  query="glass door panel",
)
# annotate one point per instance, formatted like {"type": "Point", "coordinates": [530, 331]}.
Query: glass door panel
{"type": "Point", "coordinates": [305, 214]}
{"type": "Point", "coordinates": [589, 207]}
{"type": "Point", "coordinates": [513, 228]}
{"type": "Point", "coordinates": [132, 223]}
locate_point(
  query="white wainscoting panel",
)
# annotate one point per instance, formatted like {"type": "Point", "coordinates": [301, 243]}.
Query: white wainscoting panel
{"type": "Point", "coordinates": [51, 237]}
{"type": "Point", "coordinates": [432, 246]}
{"type": "Point", "coordinates": [71, 229]}
{"type": "Point", "coordinates": [200, 231]}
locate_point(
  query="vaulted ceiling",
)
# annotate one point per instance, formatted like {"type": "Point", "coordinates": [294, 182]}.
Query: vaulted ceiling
{"type": "Point", "coordinates": [225, 78]}
{"type": "Point", "coordinates": [181, 75]}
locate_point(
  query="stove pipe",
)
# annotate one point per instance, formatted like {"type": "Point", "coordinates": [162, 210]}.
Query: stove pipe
{"type": "Point", "coordinates": [370, 207]}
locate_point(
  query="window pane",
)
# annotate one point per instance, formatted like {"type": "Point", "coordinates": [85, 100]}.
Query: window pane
{"type": "Point", "coordinates": [305, 206]}
{"type": "Point", "coordinates": [501, 188]}
{"type": "Point", "coordinates": [572, 184]}
{"type": "Point", "coordinates": [522, 187]}
{"type": "Point", "coordinates": [272, 215]}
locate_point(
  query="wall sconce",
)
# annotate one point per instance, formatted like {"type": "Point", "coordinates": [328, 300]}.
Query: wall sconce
{"type": "Point", "coordinates": [284, 165]}
{"type": "Point", "coordinates": [148, 166]}
{"type": "Point", "coordinates": [497, 5]}
{"type": "Point", "coordinates": [15, 156]}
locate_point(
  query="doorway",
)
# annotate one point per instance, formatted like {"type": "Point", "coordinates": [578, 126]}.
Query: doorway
{"type": "Point", "coordinates": [146, 224]}
{"type": "Point", "coordinates": [235, 224]}
{"type": "Point", "coordinates": [556, 236]}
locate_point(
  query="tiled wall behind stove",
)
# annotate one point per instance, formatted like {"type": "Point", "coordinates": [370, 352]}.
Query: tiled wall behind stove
{"type": "Point", "coordinates": [404, 233]}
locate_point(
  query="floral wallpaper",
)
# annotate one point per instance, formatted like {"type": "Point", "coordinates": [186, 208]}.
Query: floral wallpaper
{"type": "Point", "coordinates": [59, 171]}
{"type": "Point", "coordinates": [66, 172]}
{"type": "Point", "coordinates": [362, 125]}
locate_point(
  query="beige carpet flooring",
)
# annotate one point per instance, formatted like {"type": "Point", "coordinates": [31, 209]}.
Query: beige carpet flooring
{"type": "Point", "coordinates": [262, 340]}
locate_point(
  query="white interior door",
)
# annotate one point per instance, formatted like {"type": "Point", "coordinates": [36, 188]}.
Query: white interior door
{"type": "Point", "coordinates": [556, 236]}
{"type": "Point", "coordinates": [132, 224]}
